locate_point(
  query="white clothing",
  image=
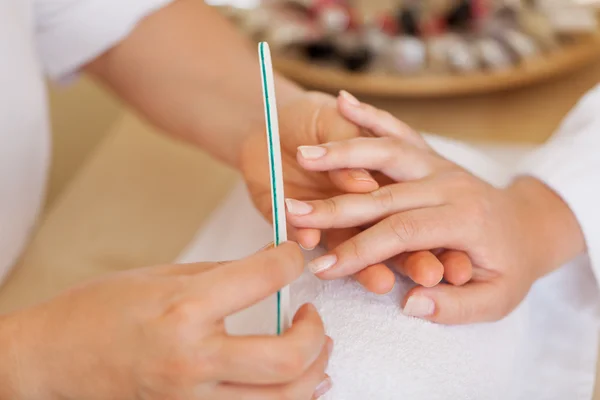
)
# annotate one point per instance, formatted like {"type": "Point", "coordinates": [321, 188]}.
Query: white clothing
{"type": "Point", "coordinates": [55, 37]}
{"type": "Point", "coordinates": [545, 350]}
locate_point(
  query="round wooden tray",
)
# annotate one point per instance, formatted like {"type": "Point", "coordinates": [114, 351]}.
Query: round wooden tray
{"type": "Point", "coordinates": [580, 52]}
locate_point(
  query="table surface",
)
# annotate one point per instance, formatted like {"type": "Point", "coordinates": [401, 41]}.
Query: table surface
{"type": "Point", "coordinates": [529, 114]}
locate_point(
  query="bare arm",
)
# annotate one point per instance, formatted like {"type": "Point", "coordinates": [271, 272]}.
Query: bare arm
{"type": "Point", "coordinates": [190, 72]}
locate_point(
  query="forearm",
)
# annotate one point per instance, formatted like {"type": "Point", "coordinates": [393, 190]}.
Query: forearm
{"type": "Point", "coordinates": [551, 229]}
{"type": "Point", "coordinates": [193, 75]}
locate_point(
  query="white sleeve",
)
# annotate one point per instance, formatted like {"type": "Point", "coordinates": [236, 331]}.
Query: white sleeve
{"type": "Point", "coordinates": [570, 164]}
{"type": "Point", "coordinates": [72, 32]}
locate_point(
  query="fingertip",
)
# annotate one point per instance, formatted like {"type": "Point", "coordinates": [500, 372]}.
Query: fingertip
{"type": "Point", "coordinates": [308, 239]}
{"type": "Point", "coordinates": [378, 279]}
{"type": "Point", "coordinates": [430, 277]}
{"type": "Point", "coordinates": [353, 180]}
{"type": "Point", "coordinates": [458, 268]}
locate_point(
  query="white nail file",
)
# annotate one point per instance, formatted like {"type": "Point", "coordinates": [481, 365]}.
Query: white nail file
{"type": "Point", "coordinates": [276, 172]}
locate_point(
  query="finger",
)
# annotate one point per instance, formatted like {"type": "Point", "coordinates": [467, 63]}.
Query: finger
{"type": "Point", "coordinates": [265, 360]}
{"type": "Point", "coordinates": [422, 267]}
{"type": "Point", "coordinates": [380, 122]}
{"type": "Point", "coordinates": [378, 279]}
{"type": "Point", "coordinates": [395, 158]}
{"type": "Point", "coordinates": [185, 269]}
{"type": "Point", "coordinates": [471, 303]}
{"type": "Point", "coordinates": [458, 268]}
{"type": "Point", "coordinates": [350, 210]}
{"type": "Point", "coordinates": [313, 384]}
{"type": "Point", "coordinates": [419, 229]}
{"type": "Point", "coordinates": [239, 284]}
{"type": "Point", "coordinates": [308, 239]}
{"type": "Point", "coordinates": [353, 180]}
{"type": "Point", "coordinates": [335, 237]}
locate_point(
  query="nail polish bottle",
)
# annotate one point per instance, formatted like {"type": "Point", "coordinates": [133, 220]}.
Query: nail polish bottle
{"type": "Point", "coordinates": [407, 54]}
{"type": "Point", "coordinates": [461, 16]}
{"type": "Point", "coordinates": [352, 51]}
{"type": "Point", "coordinates": [492, 54]}
{"type": "Point", "coordinates": [539, 27]}
{"type": "Point", "coordinates": [462, 56]}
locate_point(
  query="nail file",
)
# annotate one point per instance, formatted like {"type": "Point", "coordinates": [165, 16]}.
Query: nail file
{"type": "Point", "coordinates": [276, 173]}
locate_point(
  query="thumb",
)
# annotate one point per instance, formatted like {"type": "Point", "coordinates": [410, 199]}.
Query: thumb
{"type": "Point", "coordinates": [448, 304]}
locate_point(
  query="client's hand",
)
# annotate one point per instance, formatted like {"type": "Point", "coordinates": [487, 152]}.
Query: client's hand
{"type": "Point", "coordinates": [158, 333]}
{"type": "Point", "coordinates": [513, 236]}
{"type": "Point", "coordinates": [315, 119]}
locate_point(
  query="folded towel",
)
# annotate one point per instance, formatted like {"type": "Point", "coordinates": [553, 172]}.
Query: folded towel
{"type": "Point", "coordinates": [545, 349]}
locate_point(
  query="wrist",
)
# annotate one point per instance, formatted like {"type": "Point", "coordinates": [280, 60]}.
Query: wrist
{"type": "Point", "coordinates": [551, 233]}
{"type": "Point", "coordinates": [15, 362]}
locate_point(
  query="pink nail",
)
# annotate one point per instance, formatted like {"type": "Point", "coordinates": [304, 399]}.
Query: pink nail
{"type": "Point", "coordinates": [296, 207]}
{"type": "Point", "coordinates": [353, 101]}
{"type": "Point", "coordinates": [361, 175]}
{"type": "Point", "coordinates": [322, 263]}
{"type": "Point", "coordinates": [419, 306]}
{"type": "Point", "coordinates": [312, 152]}
{"type": "Point", "coordinates": [324, 387]}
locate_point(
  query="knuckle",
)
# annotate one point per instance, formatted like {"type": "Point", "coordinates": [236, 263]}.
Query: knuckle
{"type": "Point", "coordinates": [405, 228]}
{"type": "Point", "coordinates": [292, 365]}
{"type": "Point", "coordinates": [183, 315]}
{"type": "Point", "coordinates": [383, 198]}
{"type": "Point", "coordinates": [331, 207]}
{"type": "Point", "coordinates": [355, 251]}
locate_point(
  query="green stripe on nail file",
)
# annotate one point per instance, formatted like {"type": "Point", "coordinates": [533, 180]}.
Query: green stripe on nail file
{"type": "Point", "coordinates": [276, 172]}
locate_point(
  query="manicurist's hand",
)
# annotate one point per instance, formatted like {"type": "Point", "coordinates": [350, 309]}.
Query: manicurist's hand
{"type": "Point", "coordinates": [158, 333]}
{"type": "Point", "coordinates": [314, 119]}
{"type": "Point", "coordinates": [512, 235]}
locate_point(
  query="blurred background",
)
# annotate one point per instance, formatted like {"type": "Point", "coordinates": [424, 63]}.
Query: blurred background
{"type": "Point", "coordinates": [478, 70]}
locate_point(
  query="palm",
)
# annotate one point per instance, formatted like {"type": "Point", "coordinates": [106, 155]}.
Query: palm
{"type": "Point", "coordinates": [311, 120]}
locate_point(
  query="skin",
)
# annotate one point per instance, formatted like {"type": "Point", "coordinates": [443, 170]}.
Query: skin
{"type": "Point", "coordinates": [513, 235]}
{"type": "Point", "coordinates": [158, 333]}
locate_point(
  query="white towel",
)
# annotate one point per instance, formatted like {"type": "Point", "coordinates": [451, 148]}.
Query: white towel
{"type": "Point", "coordinates": [546, 349]}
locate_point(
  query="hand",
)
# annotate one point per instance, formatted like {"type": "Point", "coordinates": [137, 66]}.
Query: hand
{"type": "Point", "coordinates": [158, 333]}
{"type": "Point", "coordinates": [513, 235]}
{"type": "Point", "coordinates": [314, 119]}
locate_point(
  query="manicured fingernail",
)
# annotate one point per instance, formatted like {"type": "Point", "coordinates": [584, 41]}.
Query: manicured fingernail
{"type": "Point", "coordinates": [419, 306]}
{"type": "Point", "coordinates": [349, 98]}
{"type": "Point", "coordinates": [329, 346]}
{"type": "Point", "coordinates": [312, 152]}
{"type": "Point", "coordinates": [296, 207]}
{"type": "Point", "coordinates": [306, 248]}
{"type": "Point", "coordinates": [361, 175]}
{"type": "Point", "coordinates": [324, 387]}
{"type": "Point", "coordinates": [322, 263]}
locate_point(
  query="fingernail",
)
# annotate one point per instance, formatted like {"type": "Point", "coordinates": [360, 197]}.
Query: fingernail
{"type": "Point", "coordinates": [306, 248]}
{"type": "Point", "coordinates": [361, 175]}
{"type": "Point", "coordinates": [312, 152]}
{"type": "Point", "coordinates": [322, 263]}
{"type": "Point", "coordinates": [349, 98]}
{"type": "Point", "coordinates": [324, 387]}
{"type": "Point", "coordinates": [329, 346]}
{"type": "Point", "coordinates": [419, 306]}
{"type": "Point", "coordinates": [267, 247]}
{"type": "Point", "coordinates": [296, 207]}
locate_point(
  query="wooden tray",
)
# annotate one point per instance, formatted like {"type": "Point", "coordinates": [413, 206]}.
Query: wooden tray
{"type": "Point", "coordinates": [580, 52]}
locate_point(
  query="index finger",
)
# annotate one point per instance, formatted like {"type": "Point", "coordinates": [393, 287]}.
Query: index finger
{"type": "Point", "coordinates": [420, 229]}
{"type": "Point", "coordinates": [240, 284]}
